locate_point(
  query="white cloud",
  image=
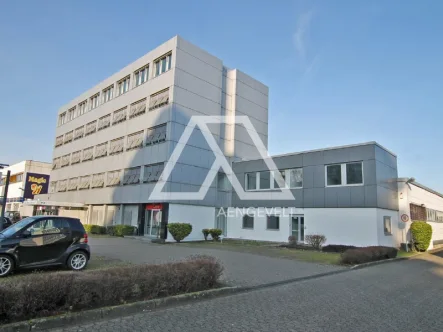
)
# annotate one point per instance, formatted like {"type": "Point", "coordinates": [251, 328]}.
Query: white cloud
{"type": "Point", "coordinates": [302, 27]}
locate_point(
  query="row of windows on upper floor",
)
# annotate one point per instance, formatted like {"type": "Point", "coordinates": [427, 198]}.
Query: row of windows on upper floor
{"type": "Point", "coordinates": [156, 100]}
{"type": "Point", "coordinates": [151, 173]}
{"type": "Point", "coordinates": [346, 174]}
{"type": "Point", "coordinates": [12, 179]}
{"type": "Point", "coordinates": [140, 76]}
{"type": "Point", "coordinates": [151, 136]}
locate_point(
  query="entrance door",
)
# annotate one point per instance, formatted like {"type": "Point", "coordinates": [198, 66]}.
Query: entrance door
{"type": "Point", "coordinates": [298, 228]}
{"type": "Point", "coordinates": [153, 221]}
{"type": "Point", "coordinates": [221, 221]}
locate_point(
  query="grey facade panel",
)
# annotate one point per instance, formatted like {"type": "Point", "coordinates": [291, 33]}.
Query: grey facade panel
{"type": "Point", "coordinates": [364, 152]}
{"type": "Point", "coordinates": [319, 197]}
{"type": "Point", "coordinates": [319, 176]}
{"type": "Point", "coordinates": [336, 156]}
{"type": "Point", "coordinates": [331, 198]}
{"type": "Point", "coordinates": [313, 158]}
{"type": "Point", "coordinates": [308, 177]}
{"type": "Point", "coordinates": [308, 198]}
{"type": "Point", "coordinates": [369, 173]}
{"type": "Point", "coordinates": [357, 197]}
{"type": "Point", "coordinates": [286, 162]}
{"type": "Point", "coordinates": [344, 197]}
{"type": "Point", "coordinates": [370, 196]}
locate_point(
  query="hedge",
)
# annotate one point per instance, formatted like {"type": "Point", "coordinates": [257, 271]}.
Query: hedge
{"type": "Point", "coordinates": [95, 229]}
{"type": "Point", "coordinates": [179, 230]}
{"type": "Point", "coordinates": [336, 248]}
{"type": "Point", "coordinates": [367, 254]}
{"type": "Point", "coordinates": [120, 230]}
{"type": "Point", "coordinates": [53, 293]}
{"type": "Point", "coordinates": [421, 235]}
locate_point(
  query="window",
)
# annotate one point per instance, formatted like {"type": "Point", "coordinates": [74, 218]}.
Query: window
{"type": "Point", "coordinates": [79, 132]}
{"type": "Point", "coordinates": [62, 119]}
{"type": "Point", "coordinates": [61, 185]}
{"type": "Point", "coordinates": [273, 222]}
{"type": "Point", "coordinates": [75, 158]}
{"type": "Point", "coordinates": [59, 141]}
{"type": "Point", "coordinates": [417, 212]}
{"type": "Point", "coordinates": [85, 181]}
{"type": "Point", "coordinates": [163, 64]}
{"type": "Point", "coordinates": [292, 178]}
{"type": "Point", "coordinates": [153, 172]}
{"type": "Point", "coordinates": [387, 225]}
{"type": "Point", "coordinates": [68, 137]}
{"type": "Point", "coordinates": [132, 175]}
{"type": "Point", "coordinates": [123, 85]}
{"type": "Point", "coordinates": [65, 160]}
{"type": "Point", "coordinates": [48, 226]}
{"type": "Point", "coordinates": [72, 184]}
{"type": "Point", "coordinates": [354, 173]}
{"type": "Point", "coordinates": [98, 180]}
{"type": "Point", "coordinates": [119, 116]}
{"type": "Point", "coordinates": [52, 187]}
{"type": "Point", "coordinates": [82, 108]}
{"type": "Point", "coordinates": [116, 146]}
{"type": "Point", "coordinates": [434, 215]}
{"type": "Point", "coordinates": [223, 182]}
{"type": "Point", "coordinates": [107, 94]}
{"type": "Point", "coordinates": [88, 153]}
{"type": "Point", "coordinates": [113, 178]}
{"type": "Point", "coordinates": [264, 180]}
{"type": "Point", "coordinates": [56, 163]}
{"type": "Point", "coordinates": [91, 128]}
{"type": "Point", "coordinates": [344, 174]}
{"type": "Point", "coordinates": [94, 101]}
{"type": "Point", "coordinates": [251, 181]}
{"type": "Point", "coordinates": [156, 134]}
{"type": "Point", "coordinates": [101, 150]}
{"type": "Point", "coordinates": [159, 99]}
{"type": "Point", "coordinates": [248, 221]}
{"type": "Point", "coordinates": [137, 108]}
{"type": "Point", "coordinates": [141, 75]}
{"type": "Point", "coordinates": [104, 122]}
{"type": "Point", "coordinates": [19, 178]}
{"type": "Point", "coordinates": [135, 141]}
{"type": "Point", "coordinates": [71, 114]}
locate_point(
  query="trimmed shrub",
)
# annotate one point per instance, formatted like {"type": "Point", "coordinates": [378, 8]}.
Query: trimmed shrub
{"type": "Point", "coordinates": [336, 248]}
{"type": "Point", "coordinates": [205, 232]}
{"type": "Point", "coordinates": [367, 254]}
{"type": "Point", "coordinates": [53, 293]}
{"type": "Point", "coordinates": [179, 230]}
{"type": "Point", "coordinates": [215, 233]}
{"type": "Point", "coordinates": [421, 235]}
{"type": "Point", "coordinates": [292, 239]}
{"type": "Point", "coordinates": [315, 240]}
{"type": "Point", "coordinates": [120, 230]}
{"type": "Point", "coordinates": [95, 229]}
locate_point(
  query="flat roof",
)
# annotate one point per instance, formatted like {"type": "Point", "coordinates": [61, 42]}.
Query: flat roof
{"type": "Point", "coordinates": [324, 149]}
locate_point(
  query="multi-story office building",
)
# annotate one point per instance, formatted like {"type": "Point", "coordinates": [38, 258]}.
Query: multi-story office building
{"type": "Point", "coordinates": [113, 141]}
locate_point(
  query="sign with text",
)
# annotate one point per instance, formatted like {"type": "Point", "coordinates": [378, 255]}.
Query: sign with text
{"type": "Point", "coordinates": [154, 206]}
{"type": "Point", "coordinates": [35, 184]}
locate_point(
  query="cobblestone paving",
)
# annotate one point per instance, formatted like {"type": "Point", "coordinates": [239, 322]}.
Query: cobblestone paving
{"type": "Point", "coordinates": [241, 269]}
{"type": "Point", "coordinates": [399, 296]}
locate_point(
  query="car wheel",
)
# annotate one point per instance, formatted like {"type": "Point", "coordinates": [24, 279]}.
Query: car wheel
{"type": "Point", "coordinates": [6, 265]}
{"type": "Point", "coordinates": [77, 261]}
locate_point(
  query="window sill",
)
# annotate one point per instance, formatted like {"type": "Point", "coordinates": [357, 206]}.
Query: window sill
{"type": "Point", "coordinates": [248, 228]}
{"type": "Point", "coordinates": [271, 229]}
{"type": "Point", "coordinates": [344, 185]}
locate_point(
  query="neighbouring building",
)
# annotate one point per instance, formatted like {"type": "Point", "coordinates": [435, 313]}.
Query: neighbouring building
{"type": "Point", "coordinates": [28, 178]}
{"type": "Point", "coordinates": [113, 142]}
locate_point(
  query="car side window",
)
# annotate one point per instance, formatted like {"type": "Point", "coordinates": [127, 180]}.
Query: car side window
{"type": "Point", "coordinates": [47, 226]}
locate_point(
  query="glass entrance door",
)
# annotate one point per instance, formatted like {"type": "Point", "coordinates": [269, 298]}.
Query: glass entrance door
{"type": "Point", "coordinates": [298, 228]}
{"type": "Point", "coordinates": [153, 221]}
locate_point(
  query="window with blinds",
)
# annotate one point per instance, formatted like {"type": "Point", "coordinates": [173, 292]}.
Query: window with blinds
{"type": "Point", "coordinates": [131, 175]}
{"type": "Point", "coordinates": [113, 178]}
{"type": "Point", "coordinates": [56, 163]}
{"type": "Point", "coordinates": [135, 141]}
{"type": "Point", "coordinates": [85, 182]}
{"type": "Point", "coordinates": [116, 146]}
{"type": "Point", "coordinates": [68, 137]}
{"type": "Point", "coordinates": [98, 180]}
{"type": "Point", "coordinates": [137, 108]}
{"type": "Point", "coordinates": [101, 150]}
{"type": "Point", "coordinates": [153, 172]}
{"type": "Point", "coordinates": [88, 153]}
{"type": "Point", "coordinates": [76, 157]}
{"type": "Point", "coordinates": [79, 132]}
{"type": "Point", "coordinates": [156, 134]}
{"type": "Point", "coordinates": [91, 128]}
{"type": "Point", "coordinates": [104, 122]}
{"type": "Point", "coordinates": [159, 99]}
{"type": "Point", "coordinates": [61, 185]}
{"type": "Point", "coordinates": [59, 141]}
{"type": "Point", "coordinates": [52, 187]}
{"type": "Point", "coordinates": [119, 116]}
{"type": "Point", "coordinates": [72, 184]}
{"type": "Point", "coordinates": [65, 160]}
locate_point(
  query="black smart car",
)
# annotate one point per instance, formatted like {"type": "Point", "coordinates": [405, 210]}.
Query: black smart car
{"type": "Point", "coordinates": [44, 241]}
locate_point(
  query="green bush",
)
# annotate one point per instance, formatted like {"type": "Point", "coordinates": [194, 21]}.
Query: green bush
{"type": "Point", "coordinates": [367, 254]}
{"type": "Point", "coordinates": [120, 230]}
{"type": "Point", "coordinates": [53, 293]}
{"type": "Point", "coordinates": [95, 229]}
{"type": "Point", "coordinates": [421, 235]}
{"type": "Point", "coordinates": [205, 232]}
{"type": "Point", "coordinates": [179, 230]}
{"type": "Point", "coordinates": [215, 233]}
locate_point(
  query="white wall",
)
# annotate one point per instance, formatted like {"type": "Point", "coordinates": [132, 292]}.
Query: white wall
{"type": "Point", "coordinates": [130, 215]}
{"type": "Point", "coordinates": [199, 217]}
{"type": "Point", "coordinates": [397, 226]}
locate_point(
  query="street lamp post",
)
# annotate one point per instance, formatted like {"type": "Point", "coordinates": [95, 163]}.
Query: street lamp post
{"type": "Point", "coordinates": [5, 195]}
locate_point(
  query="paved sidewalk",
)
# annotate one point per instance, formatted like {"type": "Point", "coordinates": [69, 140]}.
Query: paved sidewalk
{"type": "Point", "coordinates": [400, 296]}
{"type": "Point", "coordinates": [241, 269]}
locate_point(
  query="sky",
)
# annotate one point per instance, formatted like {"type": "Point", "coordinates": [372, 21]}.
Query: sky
{"type": "Point", "coordinates": [339, 72]}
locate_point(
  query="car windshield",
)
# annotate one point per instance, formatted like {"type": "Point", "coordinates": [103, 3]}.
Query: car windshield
{"type": "Point", "coordinates": [17, 226]}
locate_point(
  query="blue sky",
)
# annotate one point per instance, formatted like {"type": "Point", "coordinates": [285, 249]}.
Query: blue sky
{"type": "Point", "coordinates": [339, 72]}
